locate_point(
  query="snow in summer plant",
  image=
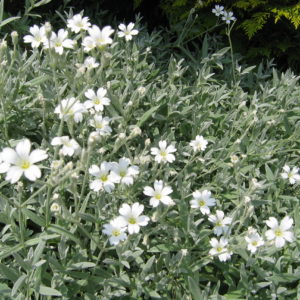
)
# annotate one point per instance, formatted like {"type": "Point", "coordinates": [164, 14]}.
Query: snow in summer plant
{"type": "Point", "coordinates": [133, 174]}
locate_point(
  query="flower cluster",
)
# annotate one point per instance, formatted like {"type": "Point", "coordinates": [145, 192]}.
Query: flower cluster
{"type": "Point", "coordinates": [218, 10]}
{"type": "Point", "coordinates": [96, 38]}
{"type": "Point", "coordinates": [130, 220]}
{"type": "Point", "coordinates": [104, 175]}
{"type": "Point", "coordinates": [110, 173]}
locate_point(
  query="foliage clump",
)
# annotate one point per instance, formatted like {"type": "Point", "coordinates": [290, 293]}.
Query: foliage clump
{"type": "Point", "coordinates": [142, 170]}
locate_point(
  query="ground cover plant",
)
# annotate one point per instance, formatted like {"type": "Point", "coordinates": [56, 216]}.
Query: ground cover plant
{"type": "Point", "coordinates": [131, 173]}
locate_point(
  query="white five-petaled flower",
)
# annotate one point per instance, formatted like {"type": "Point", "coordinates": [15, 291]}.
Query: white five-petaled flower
{"type": "Point", "coordinates": [78, 23]}
{"type": "Point", "coordinates": [104, 179]}
{"type": "Point", "coordinates": [254, 240]}
{"type": "Point", "coordinates": [70, 146]}
{"type": "Point", "coordinates": [203, 200]}
{"type": "Point", "coordinates": [70, 108]}
{"type": "Point", "coordinates": [127, 31]}
{"type": "Point", "coordinates": [90, 63]}
{"type": "Point", "coordinates": [218, 10]}
{"type": "Point", "coordinates": [159, 194]}
{"type": "Point", "coordinates": [101, 124]}
{"type": "Point", "coordinates": [97, 100]}
{"type": "Point", "coordinates": [163, 153]}
{"type": "Point", "coordinates": [131, 215]}
{"type": "Point", "coordinates": [115, 229]}
{"type": "Point", "coordinates": [220, 249]}
{"type": "Point", "coordinates": [38, 36]}
{"type": "Point", "coordinates": [228, 17]}
{"type": "Point", "coordinates": [291, 175]}
{"type": "Point", "coordinates": [220, 222]}
{"type": "Point", "coordinates": [21, 161]}
{"type": "Point", "coordinates": [199, 143]}
{"type": "Point", "coordinates": [97, 38]}
{"type": "Point", "coordinates": [123, 172]}
{"type": "Point", "coordinates": [59, 41]}
{"type": "Point", "coordinates": [279, 233]}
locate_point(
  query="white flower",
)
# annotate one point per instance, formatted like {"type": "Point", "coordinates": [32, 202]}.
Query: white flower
{"type": "Point", "coordinates": [159, 194]}
{"type": "Point", "coordinates": [291, 175]}
{"type": "Point", "coordinates": [97, 101]}
{"type": "Point", "coordinates": [55, 208]}
{"type": "Point", "coordinates": [59, 41]}
{"type": "Point", "coordinates": [127, 31]}
{"type": "Point", "coordinates": [220, 222]}
{"type": "Point", "coordinates": [220, 248]}
{"type": "Point", "coordinates": [116, 230]}
{"type": "Point", "coordinates": [203, 200]}
{"type": "Point", "coordinates": [104, 180]}
{"type": "Point", "coordinates": [123, 173]}
{"type": "Point", "coordinates": [37, 38]}
{"type": "Point", "coordinates": [70, 108]}
{"type": "Point", "coordinates": [163, 153]}
{"type": "Point", "coordinates": [101, 124]}
{"type": "Point", "coordinates": [90, 63]}
{"type": "Point", "coordinates": [70, 146]}
{"type": "Point", "coordinates": [256, 183]}
{"type": "Point", "coordinates": [234, 159]}
{"type": "Point", "coordinates": [131, 216]}
{"type": "Point", "coordinates": [56, 164]}
{"type": "Point", "coordinates": [254, 240]}
{"type": "Point", "coordinates": [199, 143]}
{"type": "Point", "coordinates": [78, 23]}
{"type": "Point", "coordinates": [228, 17]}
{"type": "Point", "coordinates": [280, 233]}
{"type": "Point", "coordinates": [218, 10]}
{"type": "Point", "coordinates": [21, 161]}
{"type": "Point", "coordinates": [97, 38]}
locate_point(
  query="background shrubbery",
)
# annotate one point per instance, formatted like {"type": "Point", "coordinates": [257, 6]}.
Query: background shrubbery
{"type": "Point", "coordinates": [264, 30]}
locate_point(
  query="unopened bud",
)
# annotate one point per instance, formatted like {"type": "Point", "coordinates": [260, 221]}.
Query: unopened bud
{"type": "Point", "coordinates": [141, 90]}
{"type": "Point", "coordinates": [135, 132]}
{"type": "Point", "coordinates": [48, 30]}
{"type": "Point", "coordinates": [14, 36]}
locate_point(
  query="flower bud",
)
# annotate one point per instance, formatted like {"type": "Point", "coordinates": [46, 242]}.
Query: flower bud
{"type": "Point", "coordinates": [14, 36]}
{"type": "Point", "coordinates": [48, 30]}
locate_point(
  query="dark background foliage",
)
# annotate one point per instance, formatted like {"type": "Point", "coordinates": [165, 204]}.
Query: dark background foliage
{"type": "Point", "coordinates": [255, 36]}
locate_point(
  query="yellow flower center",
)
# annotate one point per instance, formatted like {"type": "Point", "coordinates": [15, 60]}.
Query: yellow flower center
{"type": "Point", "coordinates": [132, 220]}
{"type": "Point", "coordinates": [116, 232]}
{"type": "Point", "coordinates": [69, 111]}
{"type": "Point", "coordinates": [158, 196]}
{"type": "Point", "coordinates": [104, 178]}
{"type": "Point", "coordinates": [25, 164]}
{"type": "Point", "coordinates": [202, 203]}
{"type": "Point", "coordinates": [99, 125]}
{"type": "Point", "coordinates": [97, 101]}
{"type": "Point", "coordinates": [219, 249]}
{"type": "Point", "coordinates": [219, 223]}
{"type": "Point", "coordinates": [163, 153]}
{"type": "Point", "coordinates": [278, 232]}
{"type": "Point", "coordinates": [58, 44]}
{"type": "Point", "coordinates": [122, 173]}
{"type": "Point", "coordinates": [254, 243]}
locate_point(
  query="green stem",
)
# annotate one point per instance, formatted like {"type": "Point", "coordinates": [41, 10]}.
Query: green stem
{"type": "Point", "coordinates": [20, 217]}
{"type": "Point", "coordinates": [228, 32]}
{"type": "Point", "coordinates": [85, 179]}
